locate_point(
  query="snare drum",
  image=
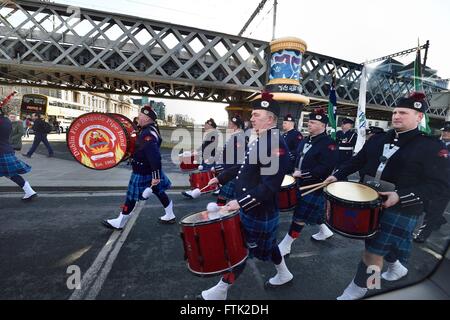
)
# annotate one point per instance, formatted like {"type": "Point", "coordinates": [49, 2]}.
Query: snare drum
{"type": "Point", "coordinates": [200, 179]}
{"type": "Point", "coordinates": [287, 196]}
{"type": "Point", "coordinates": [188, 161]}
{"type": "Point", "coordinates": [353, 209]}
{"type": "Point", "coordinates": [213, 246]}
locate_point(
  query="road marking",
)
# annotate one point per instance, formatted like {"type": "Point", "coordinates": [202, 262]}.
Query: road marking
{"type": "Point", "coordinates": [95, 276]}
{"type": "Point", "coordinates": [74, 194]}
{"type": "Point", "coordinates": [432, 252]}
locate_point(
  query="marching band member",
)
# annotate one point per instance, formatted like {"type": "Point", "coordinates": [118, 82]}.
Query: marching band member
{"type": "Point", "coordinates": [291, 136]}
{"type": "Point", "coordinates": [346, 140]}
{"type": "Point", "coordinates": [316, 158]}
{"type": "Point", "coordinates": [10, 166]}
{"type": "Point", "coordinates": [435, 210]}
{"type": "Point", "coordinates": [232, 154]}
{"type": "Point", "coordinates": [147, 172]}
{"type": "Point", "coordinates": [410, 168]}
{"type": "Point", "coordinates": [258, 181]}
{"type": "Point", "coordinates": [208, 150]}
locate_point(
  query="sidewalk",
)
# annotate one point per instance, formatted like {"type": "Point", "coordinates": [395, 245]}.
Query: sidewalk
{"type": "Point", "coordinates": [55, 174]}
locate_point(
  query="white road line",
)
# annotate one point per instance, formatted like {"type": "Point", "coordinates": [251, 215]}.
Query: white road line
{"type": "Point", "coordinates": [432, 252]}
{"type": "Point", "coordinates": [95, 276]}
{"type": "Point", "coordinates": [74, 194]}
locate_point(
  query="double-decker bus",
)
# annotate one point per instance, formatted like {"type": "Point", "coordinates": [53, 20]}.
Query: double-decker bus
{"type": "Point", "coordinates": [53, 109]}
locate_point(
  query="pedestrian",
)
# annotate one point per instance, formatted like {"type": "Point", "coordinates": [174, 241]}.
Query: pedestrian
{"type": "Point", "coordinates": [17, 132]}
{"type": "Point", "coordinates": [41, 129]}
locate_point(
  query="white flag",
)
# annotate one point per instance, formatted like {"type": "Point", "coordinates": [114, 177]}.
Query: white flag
{"type": "Point", "coordinates": [361, 122]}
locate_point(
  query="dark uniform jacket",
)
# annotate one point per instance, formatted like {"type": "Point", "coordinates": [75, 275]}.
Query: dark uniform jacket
{"type": "Point", "coordinates": [39, 126]}
{"type": "Point", "coordinates": [259, 178]}
{"type": "Point", "coordinates": [233, 152]}
{"type": "Point", "coordinates": [292, 138]}
{"type": "Point", "coordinates": [346, 144]}
{"type": "Point", "coordinates": [319, 162]}
{"type": "Point", "coordinates": [146, 158]}
{"type": "Point", "coordinates": [419, 169]}
{"type": "Point", "coordinates": [209, 146]}
{"type": "Point", "coordinates": [5, 132]}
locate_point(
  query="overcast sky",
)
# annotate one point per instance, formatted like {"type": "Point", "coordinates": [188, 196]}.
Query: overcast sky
{"type": "Point", "coordinates": [353, 30]}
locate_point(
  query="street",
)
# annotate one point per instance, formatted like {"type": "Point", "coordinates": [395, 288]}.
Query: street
{"type": "Point", "coordinates": [40, 239]}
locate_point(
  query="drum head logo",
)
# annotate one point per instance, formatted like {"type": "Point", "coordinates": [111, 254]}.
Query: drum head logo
{"type": "Point", "coordinates": [97, 141]}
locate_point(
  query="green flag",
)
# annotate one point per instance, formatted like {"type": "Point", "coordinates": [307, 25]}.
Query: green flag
{"type": "Point", "coordinates": [418, 87]}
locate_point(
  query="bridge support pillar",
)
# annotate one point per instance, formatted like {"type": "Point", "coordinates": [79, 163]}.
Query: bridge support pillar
{"type": "Point", "coordinates": [285, 77]}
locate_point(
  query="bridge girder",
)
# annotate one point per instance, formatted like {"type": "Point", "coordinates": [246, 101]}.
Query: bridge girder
{"type": "Point", "coordinates": [45, 44]}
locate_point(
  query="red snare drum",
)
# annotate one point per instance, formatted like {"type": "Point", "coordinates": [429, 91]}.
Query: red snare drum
{"type": "Point", "coordinates": [188, 161]}
{"type": "Point", "coordinates": [215, 246]}
{"type": "Point", "coordinates": [353, 209]}
{"type": "Point", "coordinates": [200, 179]}
{"type": "Point", "coordinates": [287, 196]}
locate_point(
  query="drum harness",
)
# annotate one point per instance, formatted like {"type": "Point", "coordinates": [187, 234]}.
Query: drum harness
{"type": "Point", "coordinates": [306, 148]}
{"type": "Point", "coordinates": [388, 151]}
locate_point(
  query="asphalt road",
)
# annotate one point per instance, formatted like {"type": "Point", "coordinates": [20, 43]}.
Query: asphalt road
{"type": "Point", "coordinates": [41, 239]}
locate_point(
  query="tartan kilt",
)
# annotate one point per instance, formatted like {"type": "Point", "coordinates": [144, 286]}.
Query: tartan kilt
{"type": "Point", "coordinates": [227, 190]}
{"type": "Point", "coordinates": [260, 235]}
{"type": "Point", "coordinates": [10, 165]}
{"type": "Point", "coordinates": [394, 237]}
{"type": "Point", "coordinates": [139, 182]}
{"type": "Point", "coordinates": [311, 208]}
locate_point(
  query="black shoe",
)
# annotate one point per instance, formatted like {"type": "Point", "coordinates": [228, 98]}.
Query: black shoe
{"type": "Point", "coordinates": [269, 286]}
{"type": "Point", "coordinates": [422, 236]}
{"type": "Point", "coordinates": [30, 198]}
{"type": "Point", "coordinates": [187, 195]}
{"type": "Point", "coordinates": [26, 155]}
{"type": "Point", "coordinates": [171, 221]}
{"type": "Point", "coordinates": [50, 156]}
{"type": "Point", "coordinates": [107, 225]}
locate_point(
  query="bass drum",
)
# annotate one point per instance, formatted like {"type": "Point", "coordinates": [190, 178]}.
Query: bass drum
{"type": "Point", "coordinates": [131, 131]}
{"type": "Point", "coordinates": [98, 141]}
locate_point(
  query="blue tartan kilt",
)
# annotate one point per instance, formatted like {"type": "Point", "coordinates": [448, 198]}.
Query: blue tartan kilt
{"type": "Point", "coordinates": [260, 235]}
{"type": "Point", "coordinates": [10, 165]}
{"type": "Point", "coordinates": [394, 237]}
{"type": "Point", "coordinates": [227, 190]}
{"type": "Point", "coordinates": [138, 183]}
{"type": "Point", "coordinates": [310, 208]}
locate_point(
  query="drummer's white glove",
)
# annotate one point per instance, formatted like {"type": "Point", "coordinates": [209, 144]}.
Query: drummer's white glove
{"type": "Point", "coordinates": [297, 174]}
{"type": "Point", "coordinates": [147, 193]}
{"type": "Point", "coordinates": [200, 167]}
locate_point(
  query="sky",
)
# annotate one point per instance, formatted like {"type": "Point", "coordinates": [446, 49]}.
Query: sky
{"type": "Point", "coordinates": [353, 30]}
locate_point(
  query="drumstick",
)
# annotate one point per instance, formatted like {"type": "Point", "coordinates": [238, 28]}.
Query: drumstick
{"type": "Point", "coordinates": [310, 186]}
{"type": "Point", "coordinates": [315, 189]}
{"type": "Point", "coordinates": [204, 188]}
